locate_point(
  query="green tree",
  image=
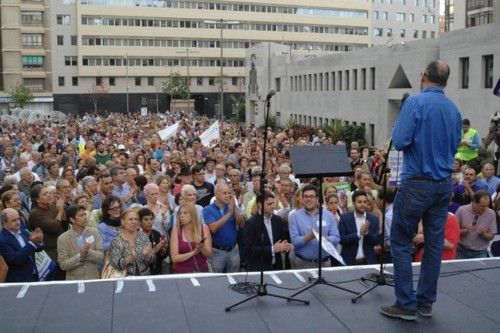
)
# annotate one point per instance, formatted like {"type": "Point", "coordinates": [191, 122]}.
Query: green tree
{"type": "Point", "coordinates": [346, 133]}
{"type": "Point", "coordinates": [21, 95]}
{"type": "Point", "coordinates": [177, 86]}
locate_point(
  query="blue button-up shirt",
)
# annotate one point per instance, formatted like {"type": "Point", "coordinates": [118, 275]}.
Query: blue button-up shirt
{"type": "Point", "coordinates": [226, 235]}
{"type": "Point", "coordinates": [428, 132]}
{"type": "Point", "coordinates": [300, 222]}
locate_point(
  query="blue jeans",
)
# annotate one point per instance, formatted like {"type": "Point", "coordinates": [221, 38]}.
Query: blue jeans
{"type": "Point", "coordinates": [417, 200]}
{"type": "Point", "coordinates": [226, 261]}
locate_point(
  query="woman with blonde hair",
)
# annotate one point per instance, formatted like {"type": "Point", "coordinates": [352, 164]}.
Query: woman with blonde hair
{"type": "Point", "coordinates": [190, 242]}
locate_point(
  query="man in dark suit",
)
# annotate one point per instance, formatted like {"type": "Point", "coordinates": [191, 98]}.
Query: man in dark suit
{"type": "Point", "coordinates": [18, 248]}
{"type": "Point", "coordinates": [274, 233]}
{"type": "Point", "coordinates": [359, 233]}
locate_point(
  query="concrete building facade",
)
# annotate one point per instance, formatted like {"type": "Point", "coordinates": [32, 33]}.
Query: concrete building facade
{"type": "Point", "coordinates": [115, 54]}
{"type": "Point", "coordinates": [366, 86]}
{"type": "Point", "coordinates": [460, 14]}
{"type": "Point", "coordinates": [25, 51]}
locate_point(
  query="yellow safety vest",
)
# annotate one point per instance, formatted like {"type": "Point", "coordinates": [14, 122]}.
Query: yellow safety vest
{"type": "Point", "coordinates": [465, 152]}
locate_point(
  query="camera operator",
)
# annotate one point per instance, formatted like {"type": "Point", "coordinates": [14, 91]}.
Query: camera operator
{"type": "Point", "coordinates": [494, 136]}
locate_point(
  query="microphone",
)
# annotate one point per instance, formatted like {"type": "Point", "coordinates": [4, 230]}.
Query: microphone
{"type": "Point", "coordinates": [270, 94]}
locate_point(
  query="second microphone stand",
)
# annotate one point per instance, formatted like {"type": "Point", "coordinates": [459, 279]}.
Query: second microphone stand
{"type": "Point", "coordinates": [262, 287]}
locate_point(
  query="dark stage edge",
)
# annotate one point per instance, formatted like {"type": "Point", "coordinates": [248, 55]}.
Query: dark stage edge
{"type": "Point", "coordinates": [467, 302]}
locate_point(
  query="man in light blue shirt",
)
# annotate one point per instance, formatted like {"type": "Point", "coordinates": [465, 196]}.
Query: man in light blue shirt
{"type": "Point", "coordinates": [428, 132]}
{"type": "Point", "coordinates": [301, 224]}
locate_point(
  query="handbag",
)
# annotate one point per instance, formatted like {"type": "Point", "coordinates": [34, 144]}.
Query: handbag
{"type": "Point", "coordinates": [110, 272]}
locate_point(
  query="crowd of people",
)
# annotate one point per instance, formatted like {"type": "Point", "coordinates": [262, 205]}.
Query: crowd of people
{"type": "Point", "coordinates": [103, 196]}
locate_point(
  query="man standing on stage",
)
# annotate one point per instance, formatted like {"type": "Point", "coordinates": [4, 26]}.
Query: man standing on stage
{"type": "Point", "coordinates": [428, 132]}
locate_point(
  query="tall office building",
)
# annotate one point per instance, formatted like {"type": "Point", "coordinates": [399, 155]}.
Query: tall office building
{"type": "Point", "coordinates": [115, 54]}
{"type": "Point", "coordinates": [25, 50]}
{"type": "Point", "coordinates": [397, 21]}
{"type": "Point", "coordinates": [460, 14]}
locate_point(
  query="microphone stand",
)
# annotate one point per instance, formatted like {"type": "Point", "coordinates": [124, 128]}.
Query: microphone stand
{"type": "Point", "coordinates": [320, 279]}
{"type": "Point", "coordinates": [262, 287]}
{"type": "Point", "coordinates": [380, 278]}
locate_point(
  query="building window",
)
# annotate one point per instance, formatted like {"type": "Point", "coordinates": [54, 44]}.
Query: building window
{"type": "Point", "coordinates": [389, 32]}
{"type": "Point", "coordinates": [415, 33]}
{"type": "Point", "coordinates": [424, 18]}
{"type": "Point", "coordinates": [433, 34]}
{"type": "Point", "coordinates": [74, 81]}
{"type": "Point", "coordinates": [372, 78]}
{"type": "Point", "coordinates": [411, 18]}
{"type": "Point", "coordinates": [31, 18]}
{"type": "Point", "coordinates": [60, 81]}
{"type": "Point", "coordinates": [137, 80]}
{"type": "Point", "coordinates": [234, 81]}
{"type": "Point", "coordinates": [403, 33]}
{"type": "Point", "coordinates": [70, 61]}
{"type": "Point", "coordinates": [347, 80]}
{"type": "Point", "coordinates": [32, 40]}
{"type": "Point", "coordinates": [424, 34]}
{"type": "Point", "coordinates": [400, 17]}
{"type": "Point", "coordinates": [464, 73]}
{"type": "Point", "coordinates": [340, 80]}
{"type": "Point", "coordinates": [402, 2]}
{"type": "Point", "coordinates": [385, 16]}
{"type": "Point", "coordinates": [112, 81]}
{"type": "Point", "coordinates": [277, 84]}
{"type": "Point", "coordinates": [363, 78]}
{"type": "Point", "coordinates": [60, 40]}
{"type": "Point", "coordinates": [211, 81]}
{"type": "Point", "coordinates": [74, 40]}
{"type": "Point", "coordinates": [488, 70]}
{"type": "Point", "coordinates": [334, 87]}
{"type": "Point", "coordinates": [375, 15]}
{"type": "Point", "coordinates": [32, 61]}
{"type": "Point", "coordinates": [378, 32]}
{"type": "Point", "coordinates": [63, 19]}
{"type": "Point", "coordinates": [327, 81]}
{"type": "Point", "coordinates": [150, 81]}
{"type": "Point", "coordinates": [355, 79]}
{"type": "Point", "coordinates": [199, 81]}
{"type": "Point", "coordinates": [98, 81]}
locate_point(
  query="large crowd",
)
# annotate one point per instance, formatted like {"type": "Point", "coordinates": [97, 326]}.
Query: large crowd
{"type": "Point", "coordinates": [105, 196]}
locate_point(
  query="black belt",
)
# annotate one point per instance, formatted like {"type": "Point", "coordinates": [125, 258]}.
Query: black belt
{"type": "Point", "coordinates": [312, 260]}
{"type": "Point", "coordinates": [224, 248]}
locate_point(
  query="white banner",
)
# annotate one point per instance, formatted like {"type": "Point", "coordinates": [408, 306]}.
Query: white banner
{"type": "Point", "coordinates": [169, 131]}
{"type": "Point", "coordinates": [212, 133]}
{"type": "Point", "coordinates": [395, 163]}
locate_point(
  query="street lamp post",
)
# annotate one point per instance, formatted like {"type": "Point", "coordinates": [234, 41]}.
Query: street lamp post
{"type": "Point", "coordinates": [222, 22]}
{"type": "Point", "coordinates": [188, 63]}
{"type": "Point", "coordinates": [126, 74]}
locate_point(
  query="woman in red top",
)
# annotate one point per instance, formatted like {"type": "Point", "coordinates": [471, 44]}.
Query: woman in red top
{"type": "Point", "coordinates": [190, 242]}
{"type": "Point", "coordinates": [451, 238]}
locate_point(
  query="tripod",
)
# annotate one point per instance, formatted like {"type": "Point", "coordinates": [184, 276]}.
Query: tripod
{"type": "Point", "coordinates": [262, 287]}
{"type": "Point", "coordinates": [320, 161]}
{"type": "Point", "coordinates": [380, 278]}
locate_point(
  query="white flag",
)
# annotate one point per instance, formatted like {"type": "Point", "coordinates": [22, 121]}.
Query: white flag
{"type": "Point", "coordinates": [212, 133]}
{"type": "Point", "coordinates": [169, 131]}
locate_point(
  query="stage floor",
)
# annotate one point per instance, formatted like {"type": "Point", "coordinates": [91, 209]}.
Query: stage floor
{"type": "Point", "coordinates": [467, 302]}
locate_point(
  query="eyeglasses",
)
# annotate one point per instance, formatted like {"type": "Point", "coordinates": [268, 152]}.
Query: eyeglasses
{"type": "Point", "coordinates": [117, 208]}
